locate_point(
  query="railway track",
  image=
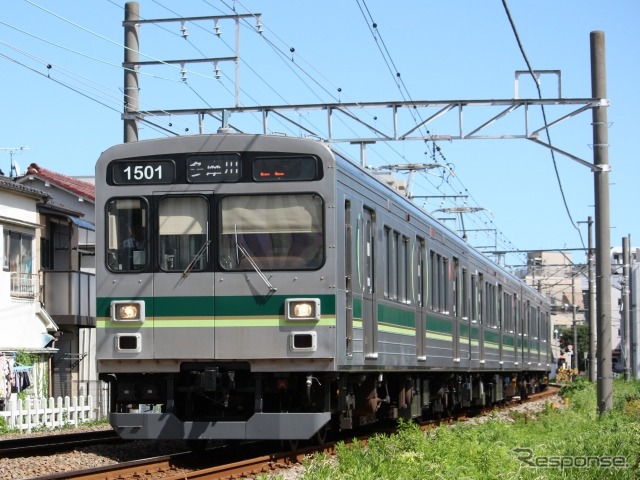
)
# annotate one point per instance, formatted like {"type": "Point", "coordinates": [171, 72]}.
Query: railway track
{"type": "Point", "coordinates": [243, 461]}
{"type": "Point", "coordinates": [50, 444]}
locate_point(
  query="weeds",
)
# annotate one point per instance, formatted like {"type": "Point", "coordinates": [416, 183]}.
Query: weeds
{"type": "Point", "coordinates": [574, 442]}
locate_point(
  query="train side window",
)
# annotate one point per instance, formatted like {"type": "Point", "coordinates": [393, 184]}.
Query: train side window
{"type": "Point", "coordinates": [507, 301]}
{"type": "Point", "coordinates": [434, 278]}
{"type": "Point", "coordinates": [389, 264]}
{"type": "Point", "coordinates": [534, 322]}
{"type": "Point", "coordinates": [464, 294]}
{"type": "Point", "coordinates": [500, 313]}
{"type": "Point", "coordinates": [404, 270]}
{"type": "Point", "coordinates": [517, 315]}
{"type": "Point", "coordinates": [474, 299]}
{"type": "Point", "coordinates": [127, 232]}
{"type": "Point", "coordinates": [444, 285]}
{"type": "Point", "coordinates": [182, 233]}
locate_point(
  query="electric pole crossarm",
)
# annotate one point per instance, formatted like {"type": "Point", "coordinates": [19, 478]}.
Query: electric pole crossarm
{"type": "Point", "coordinates": [180, 62]}
{"type": "Point", "coordinates": [190, 19]}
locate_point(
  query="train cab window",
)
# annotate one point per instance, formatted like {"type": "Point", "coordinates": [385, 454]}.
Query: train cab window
{"type": "Point", "coordinates": [182, 233]}
{"type": "Point", "coordinates": [127, 232]}
{"type": "Point", "coordinates": [271, 232]}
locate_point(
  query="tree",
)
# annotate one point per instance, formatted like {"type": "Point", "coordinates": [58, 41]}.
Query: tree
{"type": "Point", "coordinates": [566, 339]}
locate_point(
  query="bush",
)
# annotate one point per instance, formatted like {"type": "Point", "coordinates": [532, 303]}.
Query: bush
{"type": "Point", "coordinates": [578, 384]}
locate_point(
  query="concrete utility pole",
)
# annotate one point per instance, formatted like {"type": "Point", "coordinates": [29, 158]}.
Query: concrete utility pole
{"type": "Point", "coordinates": [626, 313]}
{"type": "Point", "coordinates": [574, 323]}
{"type": "Point", "coordinates": [592, 307]}
{"type": "Point", "coordinates": [603, 222]}
{"type": "Point", "coordinates": [131, 57]}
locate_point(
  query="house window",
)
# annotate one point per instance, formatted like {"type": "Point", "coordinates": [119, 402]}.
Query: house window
{"type": "Point", "coordinates": [18, 252]}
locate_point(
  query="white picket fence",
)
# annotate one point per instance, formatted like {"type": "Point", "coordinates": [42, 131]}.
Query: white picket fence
{"type": "Point", "coordinates": [39, 413]}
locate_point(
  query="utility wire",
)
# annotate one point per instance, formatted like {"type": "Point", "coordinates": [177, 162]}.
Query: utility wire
{"type": "Point", "coordinates": [544, 115]}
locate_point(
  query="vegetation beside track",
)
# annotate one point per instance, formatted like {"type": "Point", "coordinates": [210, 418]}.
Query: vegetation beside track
{"type": "Point", "coordinates": [574, 442]}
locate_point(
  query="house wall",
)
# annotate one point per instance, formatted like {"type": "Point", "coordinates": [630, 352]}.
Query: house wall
{"type": "Point", "coordinates": [20, 326]}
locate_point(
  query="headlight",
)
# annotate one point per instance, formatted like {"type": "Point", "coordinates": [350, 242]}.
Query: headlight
{"type": "Point", "coordinates": [302, 308]}
{"type": "Point", "coordinates": [127, 311]}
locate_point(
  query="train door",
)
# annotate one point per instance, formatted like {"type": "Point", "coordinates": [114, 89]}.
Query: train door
{"type": "Point", "coordinates": [474, 328]}
{"type": "Point", "coordinates": [464, 318]}
{"type": "Point", "coordinates": [526, 314]}
{"type": "Point", "coordinates": [516, 328]}
{"type": "Point", "coordinates": [500, 323]}
{"type": "Point", "coordinates": [456, 299]}
{"type": "Point", "coordinates": [369, 311]}
{"type": "Point", "coordinates": [421, 350]}
{"type": "Point", "coordinates": [482, 317]}
{"type": "Point", "coordinates": [183, 284]}
{"type": "Point", "coordinates": [348, 276]}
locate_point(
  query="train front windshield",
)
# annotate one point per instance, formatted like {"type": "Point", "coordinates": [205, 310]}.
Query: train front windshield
{"type": "Point", "coordinates": [270, 232]}
{"type": "Point", "coordinates": [278, 232]}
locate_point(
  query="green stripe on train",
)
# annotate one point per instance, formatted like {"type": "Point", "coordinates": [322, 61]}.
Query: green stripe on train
{"type": "Point", "coordinates": [232, 307]}
{"type": "Point", "coordinates": [397, 317]}
{"type": "Point", "coordinates": [439, 325]}
{"type": "Point", "coordinates": [208, 322]}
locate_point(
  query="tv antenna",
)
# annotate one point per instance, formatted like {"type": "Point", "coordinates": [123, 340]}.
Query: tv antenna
{"type": "Point", "coordinates": [14, 168]}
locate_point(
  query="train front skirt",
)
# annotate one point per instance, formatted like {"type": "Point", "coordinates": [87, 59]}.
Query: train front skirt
{"type": "Point", "coordinates": [260, 426]}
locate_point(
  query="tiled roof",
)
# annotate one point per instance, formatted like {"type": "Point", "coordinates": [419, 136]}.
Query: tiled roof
{"type": "Point", "coordinates": [79, 187]}
{"type": "Point", "coordinates": [8, 184]}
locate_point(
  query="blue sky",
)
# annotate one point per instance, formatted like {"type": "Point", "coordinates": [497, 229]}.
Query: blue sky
{"type": "Point", "coordinates": [444, 50]}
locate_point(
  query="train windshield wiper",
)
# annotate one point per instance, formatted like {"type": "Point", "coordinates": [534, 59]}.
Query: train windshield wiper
{"type": "Point", "coordinates": [240, 248]}
{"type": "Point", "coordinates": [196, 257]}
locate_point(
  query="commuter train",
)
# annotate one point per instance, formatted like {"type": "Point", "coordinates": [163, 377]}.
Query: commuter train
{"type": "Point", "coordinates": [265, 287]}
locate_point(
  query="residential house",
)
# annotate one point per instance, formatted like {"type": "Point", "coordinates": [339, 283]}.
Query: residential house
{"type": "Point", "coordinates": [67, 262]}
{"type": "Point", "coordinates": [26, 329]}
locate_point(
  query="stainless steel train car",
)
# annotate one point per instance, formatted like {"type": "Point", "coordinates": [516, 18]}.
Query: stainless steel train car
{"type": "Point", "coordinates": [264, 287]}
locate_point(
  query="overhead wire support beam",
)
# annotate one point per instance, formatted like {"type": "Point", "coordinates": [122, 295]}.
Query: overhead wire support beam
{"type": "Point", "coordinates": [396, 130]}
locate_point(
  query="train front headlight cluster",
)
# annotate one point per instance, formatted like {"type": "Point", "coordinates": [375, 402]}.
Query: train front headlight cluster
{"type": "Point", "coordinates": [127, 311]}
{"type": "Point", "coordinates": [302, 308]}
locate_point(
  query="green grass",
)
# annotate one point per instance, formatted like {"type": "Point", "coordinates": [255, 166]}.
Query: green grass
{"type": "Point", "coordinates": [574, 442]}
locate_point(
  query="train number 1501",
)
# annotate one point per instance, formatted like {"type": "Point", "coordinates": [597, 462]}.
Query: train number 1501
{"type": "Point", "coordinates": [149, 172]}
{"type": "Point", "coordinates": [143, 172]}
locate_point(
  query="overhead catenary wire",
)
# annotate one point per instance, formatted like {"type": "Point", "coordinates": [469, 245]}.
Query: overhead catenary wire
{"type": "Point", "coordinates": [553, 157]}
{"type": "Point", "coordinates": [305, 71]}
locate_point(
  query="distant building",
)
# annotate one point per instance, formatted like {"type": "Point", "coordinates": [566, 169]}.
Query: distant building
{"type": "Point", "coordinates": [555, 275]}
{"type": "Point", "coordinates": [618, 285]}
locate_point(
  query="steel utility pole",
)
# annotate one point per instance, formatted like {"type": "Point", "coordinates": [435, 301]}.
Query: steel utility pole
{"type": "Point", "coordinates": [603, 222]}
